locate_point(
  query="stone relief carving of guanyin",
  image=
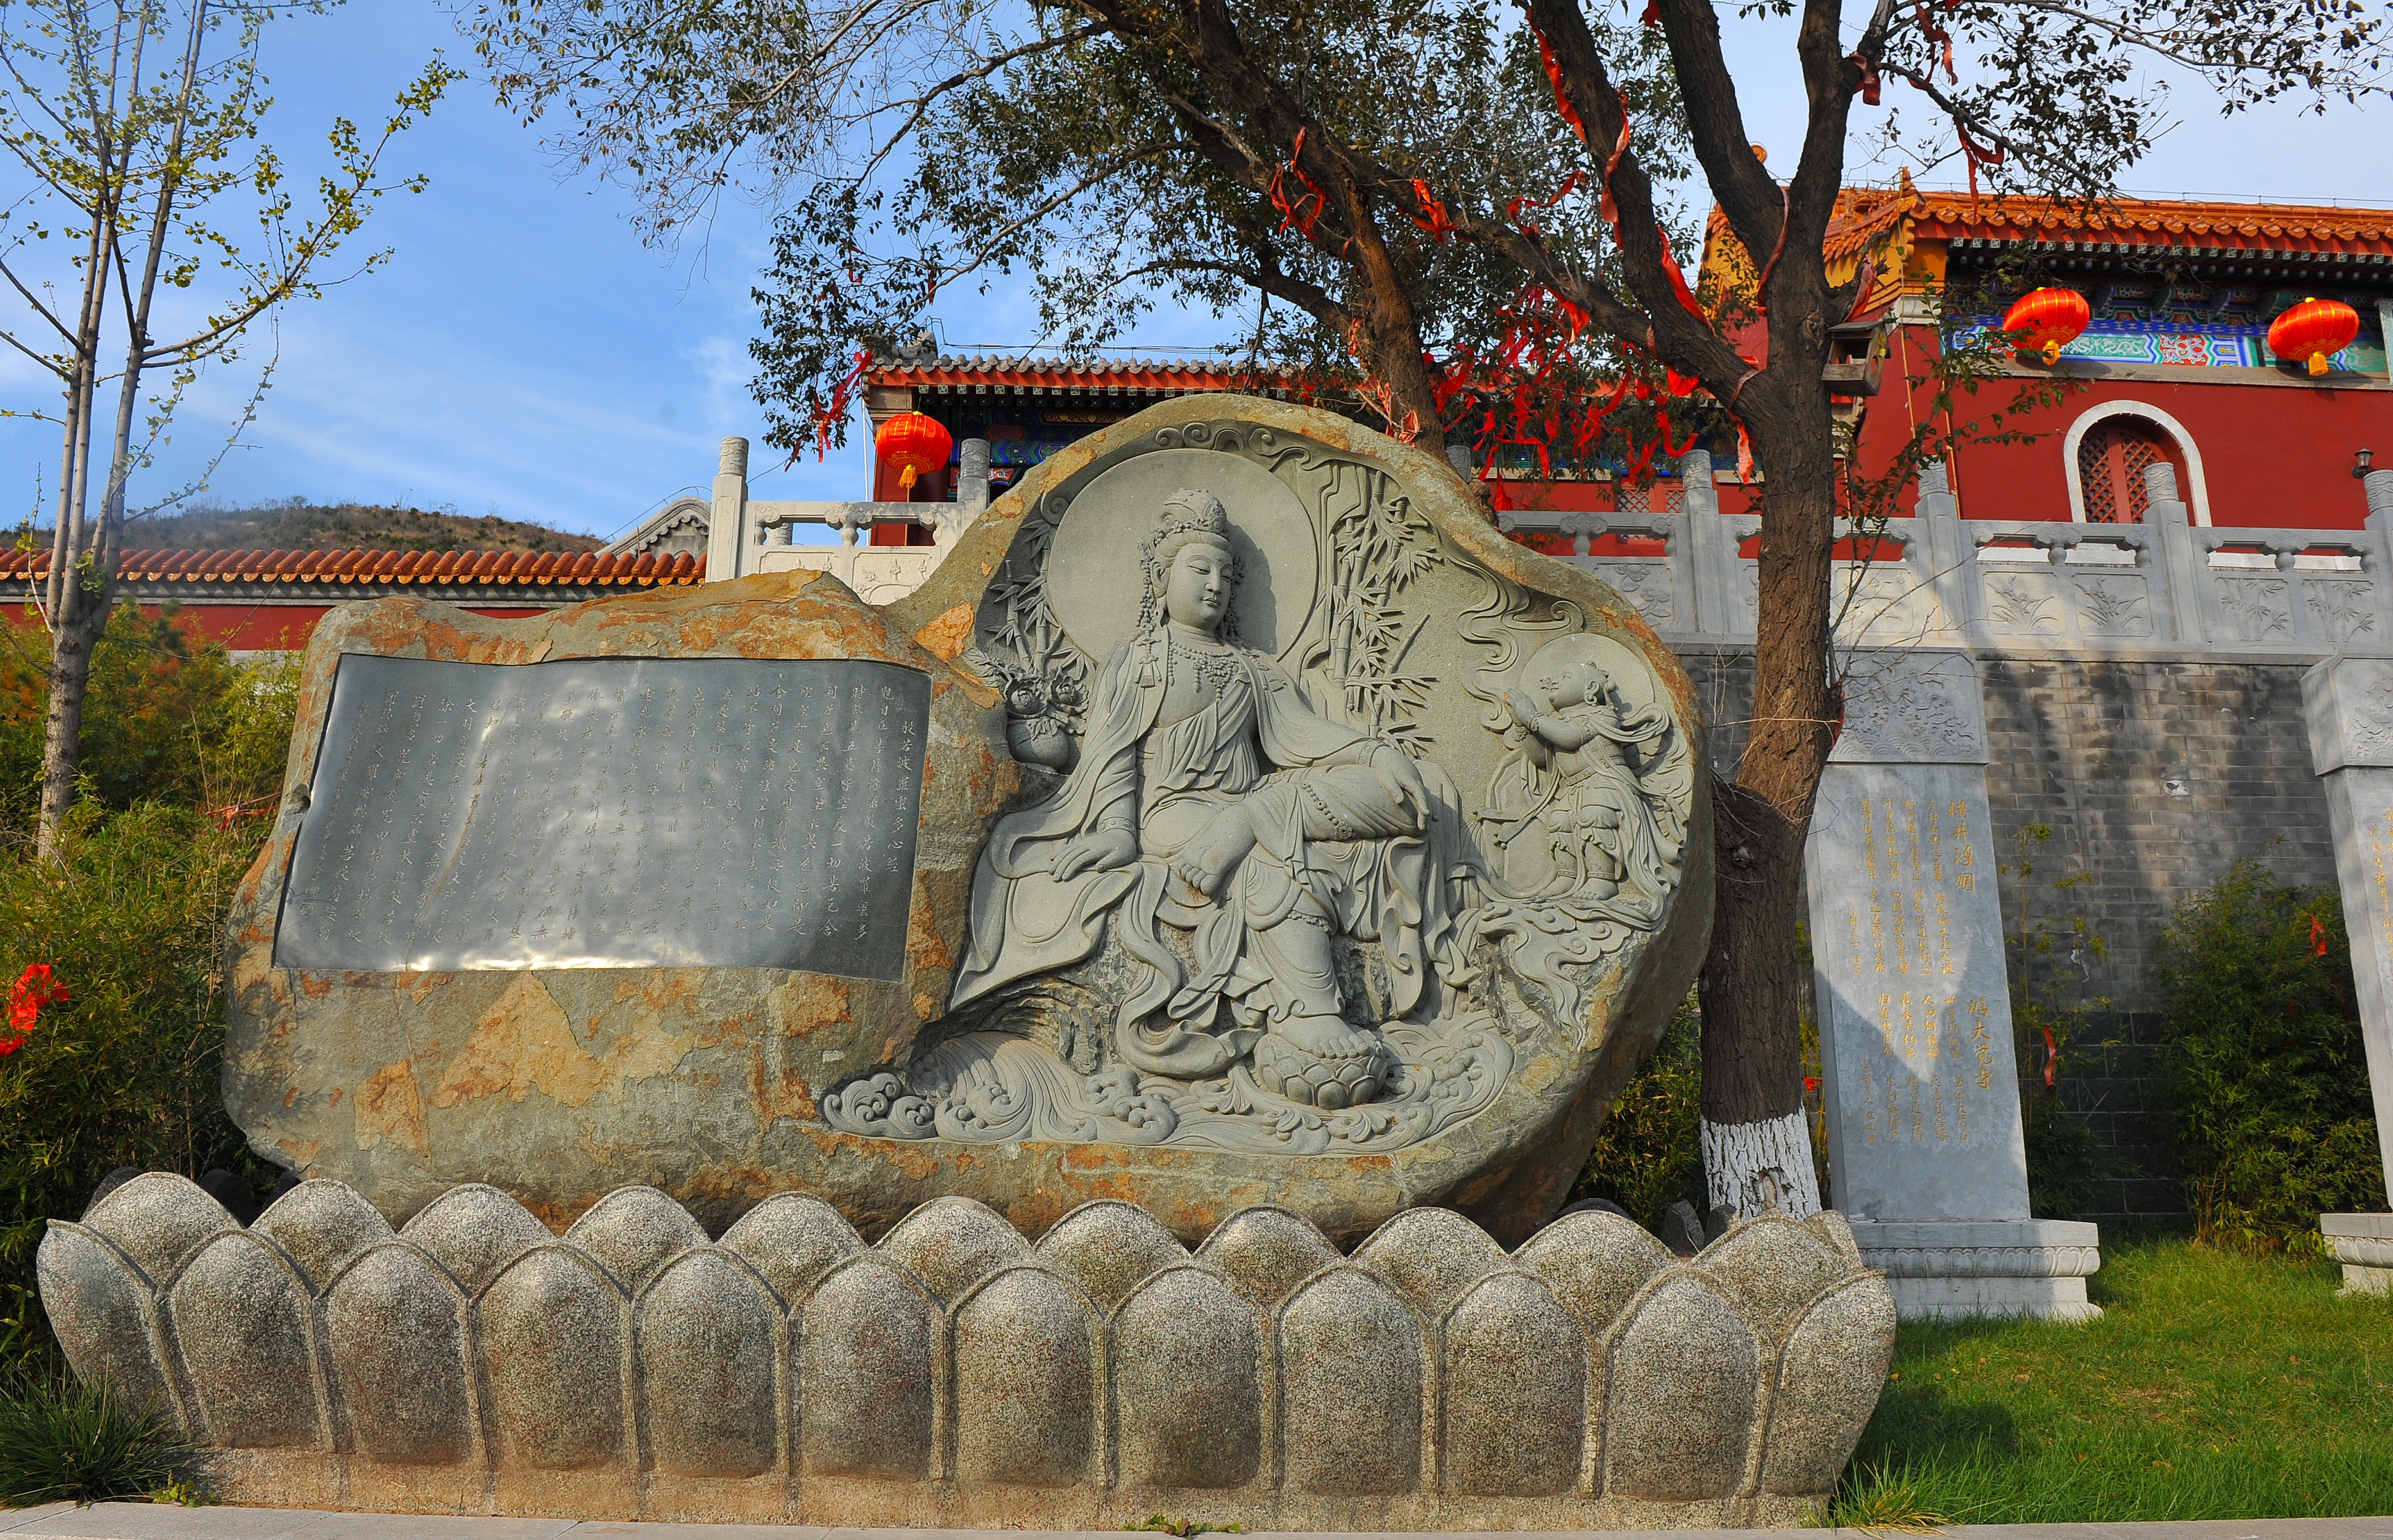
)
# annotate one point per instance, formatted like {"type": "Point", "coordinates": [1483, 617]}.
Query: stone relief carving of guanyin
{"type": "Point", "coordinates": [1245, 904]}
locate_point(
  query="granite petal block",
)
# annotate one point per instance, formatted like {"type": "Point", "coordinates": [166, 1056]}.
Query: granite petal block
{"type": "Point", "coordinates": [1595, 1263]}
{"type": "Point", "coordinates": [320, 1225]}
{"type": "Point", "coordinates": [1351, 1363]}
{"type": "Point", "coordinates": [552, 1334]}
{"type": "Point", "coordinates": [1586, 1382]}
{"type": "Point", "coordinates": [1265, 1251]}
{"type": "Point", "coordinates": [1431, 1254]}
{"type": "Point", "coordinates": [395, 1325]}
{"type": "Point", "coordinates": [1772, 1268]}
{"type": "Point", "coordinates": [634, 1230]}
{"type": "Point", "coordinates": [103, 1312]}
{"type": "Point", "coordinates": [790, 1238]}
{"type": "Point", "coordinates": [1685, 1377]}
{"type": "Point", "coordinates": [473, 1231]}
{"type": "Point", "coordinates": [1829, 1382]}
{"type": "Point", "coordinates": [1107, 1247]}
{"type": "Point", "coordinates": [1187, 1363]}
{"type": "Point", "coordinates": [1838, 1232]}
{"type": "Point", "coordinates": [1025, 1359]}
{"type": "Point", "coordinates": [1515, 1382]}
{"type": "Point", "coordinates": [708, 1347]}
{"type": "Point", "coordinates": [240, 1313]}
{"type": "Point", "coordinates": [952, 1244]}
{"type": "Point", "coordinates": [868, 1346]}
{"type": "Point", "coordinates": [157, 1219]}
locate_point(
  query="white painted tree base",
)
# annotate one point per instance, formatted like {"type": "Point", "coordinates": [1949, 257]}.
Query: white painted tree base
{"type": "Point", "coordinates": [1753, 1168]}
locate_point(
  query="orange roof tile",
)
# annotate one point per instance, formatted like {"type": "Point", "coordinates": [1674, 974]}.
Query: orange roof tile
{"type": "Point", "coordinates": [336, 569]}
{"type": "Point", "coordinates": [2153, 222]}
{"type": "Point", "coordinates": [1863, 214]}
{"type": "Point", "coordinates": [1099, 374]}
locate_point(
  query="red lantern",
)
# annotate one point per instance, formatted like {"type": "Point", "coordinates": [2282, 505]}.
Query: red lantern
{"type": "Point", "coordinates": [2312, 329]}
{"type": "Point", "coordinates": [2052, 319]}
{"type": "Point", "coordinates": [913, 445]}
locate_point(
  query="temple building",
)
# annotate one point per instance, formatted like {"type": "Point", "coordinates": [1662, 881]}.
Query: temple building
{"type": "Point", "coordinates": [2170, 397]}
{"type": "Point", "coordinates": [2173, 368]}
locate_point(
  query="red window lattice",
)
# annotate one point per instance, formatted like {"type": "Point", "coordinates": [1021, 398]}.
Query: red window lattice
{"type": "Point", "coordinates": [2111, 460]}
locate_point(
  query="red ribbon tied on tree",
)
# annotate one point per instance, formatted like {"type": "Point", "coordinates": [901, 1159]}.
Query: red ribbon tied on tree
{"type": "Point", "coordinates": [35, 988]}
{"type": "Point", "coordinates": [1297, 212]}
{"type": "Point", "coordinates": [1432, 217]}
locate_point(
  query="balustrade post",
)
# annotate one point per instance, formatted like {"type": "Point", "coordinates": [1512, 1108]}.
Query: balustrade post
{"type": "Point", "coordinates": [1952, 555]}
{"type": "Point", "coordinates": [1709, 549]}
{"type": "Point", "coordinates": [726, 535]}
{"type": "Point", "coordinates": [2183, 562]}
{"type": "Point", "coordinates": [972, 482]}
{"type": "Point", "coordinates": [2377, 486]}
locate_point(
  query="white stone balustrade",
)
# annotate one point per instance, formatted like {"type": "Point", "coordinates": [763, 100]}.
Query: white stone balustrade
{"type": "Point", "coordinates": [1936, 580]}
{"type": "Point", "coordinates": [749, 537]}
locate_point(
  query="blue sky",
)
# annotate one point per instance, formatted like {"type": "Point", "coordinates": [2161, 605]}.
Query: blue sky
{"type": "Point", "coordinates": [522, 354]}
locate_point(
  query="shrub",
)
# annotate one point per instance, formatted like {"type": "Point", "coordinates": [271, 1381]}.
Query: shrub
{"type": "Point", "coordinates": [166, 720]}
{"type": "Point", "coordinates": [127, 1070]}
{"type": "Point", "coordinates": [63, 1443]}
{"type": "Point", "coordinates": [2272, 1117]}
{"type": "Point", "coordinates": [1650, 1153]}
{"type": "Point", "coordinates": [184, 751]}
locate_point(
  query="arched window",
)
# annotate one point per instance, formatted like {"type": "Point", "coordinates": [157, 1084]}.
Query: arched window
{"type": "Point", "coordinates": [2111, 460]}
{"type": "Point", "coordinates": [2108, 449]}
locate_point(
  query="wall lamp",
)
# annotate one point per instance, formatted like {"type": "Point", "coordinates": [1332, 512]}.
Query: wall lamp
{"type": "Point", "coordinates": [2360, 458]}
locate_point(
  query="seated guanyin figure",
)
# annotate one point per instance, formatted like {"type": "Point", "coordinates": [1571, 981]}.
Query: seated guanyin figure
{"type": "Point", "coordinates": [1210, 799]}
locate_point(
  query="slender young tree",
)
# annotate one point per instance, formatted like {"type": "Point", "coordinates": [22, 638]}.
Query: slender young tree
{"type": "Point", "coordinates": [1470, 207]}
{"type": "Point", "coordinates": [134, 126]}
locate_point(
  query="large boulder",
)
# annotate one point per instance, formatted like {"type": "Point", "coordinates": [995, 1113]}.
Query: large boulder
{"type": "Point", "coordinates": [1366, 888]}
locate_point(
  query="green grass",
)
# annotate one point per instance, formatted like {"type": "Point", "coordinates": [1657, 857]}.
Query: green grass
{"type": "Point", "coordinates": [2216, 1386]}
{"type": "Point", "coordinates": [61, 1441]}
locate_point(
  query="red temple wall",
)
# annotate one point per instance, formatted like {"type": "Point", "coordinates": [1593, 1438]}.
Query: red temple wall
{"type": "Point", "coordinates": [2272, 455]}
{"type": "Point", "coordinates": [260, 628]}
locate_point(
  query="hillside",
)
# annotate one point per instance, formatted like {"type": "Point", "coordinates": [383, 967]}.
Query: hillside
{"type": "Point", "coordinates": [296, 526]}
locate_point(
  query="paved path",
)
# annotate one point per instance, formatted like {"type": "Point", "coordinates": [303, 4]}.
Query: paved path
{"type": "Point", "coordinates": [152, 1522]}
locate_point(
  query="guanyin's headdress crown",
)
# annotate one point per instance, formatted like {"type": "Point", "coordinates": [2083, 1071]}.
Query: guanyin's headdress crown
{"type": "Point", "coordinates": [1192, 511]}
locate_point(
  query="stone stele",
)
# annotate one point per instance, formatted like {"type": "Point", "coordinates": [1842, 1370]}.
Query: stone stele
{"type": "Point", "coordinates": [1286, 835]}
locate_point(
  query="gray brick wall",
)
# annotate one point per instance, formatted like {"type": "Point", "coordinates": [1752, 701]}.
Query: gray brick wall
{"type": "Point", "coordinates": [2153, 777]}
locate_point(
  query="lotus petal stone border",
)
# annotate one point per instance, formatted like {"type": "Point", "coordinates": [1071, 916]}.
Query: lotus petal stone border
{"type": "Point", "coordinates": [954, 1375]}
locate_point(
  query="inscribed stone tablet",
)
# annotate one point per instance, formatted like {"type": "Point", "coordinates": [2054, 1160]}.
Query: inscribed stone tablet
{"type": "Point", "coordinates": [1915, 1022]}
{"type": "Point", "coordinates": [610, 813]}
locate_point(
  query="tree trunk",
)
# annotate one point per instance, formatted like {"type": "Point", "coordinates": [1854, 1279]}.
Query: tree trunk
{"type": "Point", "coordinates": [69, 678]}
{"type": "Point", "coordinates": [1397, 359]}
{"type": "Point", "coordinates": [1757, 1142]}
{"type": "Point", "coordinates": [1757, 1148]}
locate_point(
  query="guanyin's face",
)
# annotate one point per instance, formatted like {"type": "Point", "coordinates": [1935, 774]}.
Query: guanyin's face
{"type": "Point", "coordinates": [1197, 590]}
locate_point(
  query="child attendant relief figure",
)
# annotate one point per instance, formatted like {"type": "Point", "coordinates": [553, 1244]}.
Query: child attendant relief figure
{"type": "Point", "coordinates": [1580, 844]}
{"type": "Point", "coordinates": [1227, 831]}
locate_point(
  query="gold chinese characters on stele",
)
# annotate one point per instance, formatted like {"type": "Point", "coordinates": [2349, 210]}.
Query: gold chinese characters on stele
{"type": "Point", "coordinates": [1916, 1030]}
